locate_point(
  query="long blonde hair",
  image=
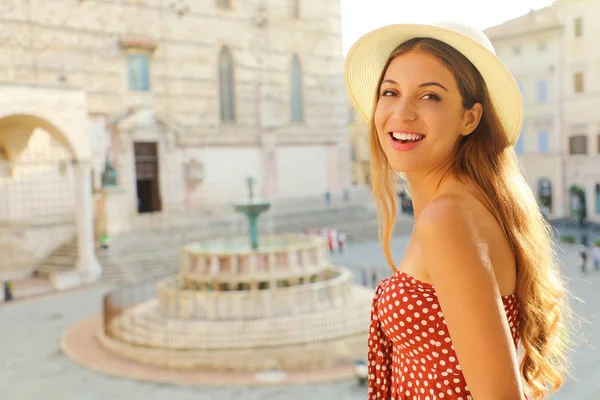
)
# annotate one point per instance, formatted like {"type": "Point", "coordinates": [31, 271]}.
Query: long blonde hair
{"type": "Point", "coordinates": [485, 159]}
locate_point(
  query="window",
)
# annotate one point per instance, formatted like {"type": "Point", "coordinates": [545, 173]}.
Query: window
{"type": "Point", "coordinates": [520, 145]}
{"type": "Point", "coordinates": [578, 82]}
{"type": "Point", "coordinates": [296, 95]}
{"type": "Point", "coordinates": [224, 4]}
{"type": "Point", "coordinates": [578, 144]}
{"type": "Point", "coordinates": [542, 46]}
{"type": "Point", "coordinates": [578, 27]}
{"type": "Point", "coordinates": [542, 91]}
{"type": "Point", "coordinates": [295, 4]}
{"type": "Point", "coordinates": [543, 141]}
{"type": "Point", "coordinates": [545, 195]}
{"type": "Point", "coordinates": [138, 73]}
{"type": "Point", "coordinates": [226, 86]}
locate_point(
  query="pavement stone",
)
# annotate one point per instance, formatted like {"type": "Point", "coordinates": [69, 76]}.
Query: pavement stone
{"type": "Point", "coordinates": [32, 366]}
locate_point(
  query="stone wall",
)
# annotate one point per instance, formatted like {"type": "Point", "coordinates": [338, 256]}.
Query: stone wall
{"type": "Point", "coordinates": [77, 44]}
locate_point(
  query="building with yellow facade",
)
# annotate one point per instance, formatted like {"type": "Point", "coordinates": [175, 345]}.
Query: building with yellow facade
{"type": "Point", "coordinates": [552, 54]}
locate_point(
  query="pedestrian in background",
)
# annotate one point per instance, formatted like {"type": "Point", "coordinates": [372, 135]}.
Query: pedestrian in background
{"type": "Point", "coordinates": [583, 259]}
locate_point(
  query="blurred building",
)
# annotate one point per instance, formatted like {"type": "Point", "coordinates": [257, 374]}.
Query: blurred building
{"type": "Point", "coordinates": [361, 156]}
{"type": "Point", "coordinates": [168, 104]}
{"type": "Point", "coordinates": [552, 54]}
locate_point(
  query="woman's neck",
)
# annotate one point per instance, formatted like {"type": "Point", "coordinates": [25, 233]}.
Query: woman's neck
{"type": "Point", "coordinates": [423, 188]}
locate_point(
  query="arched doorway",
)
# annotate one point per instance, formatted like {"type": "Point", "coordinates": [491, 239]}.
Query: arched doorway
{"type": "Point", "coordinates": [545, 195]}
{"type": "Point", "coordinates": [45, 197]}
{"type": "Point", "coordinates": [37, 178]}
{"type": "Point", "coordinates": [577, 202]}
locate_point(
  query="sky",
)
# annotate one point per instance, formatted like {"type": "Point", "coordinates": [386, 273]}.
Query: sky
{"type": "Point", "coordinates": [362, 16]}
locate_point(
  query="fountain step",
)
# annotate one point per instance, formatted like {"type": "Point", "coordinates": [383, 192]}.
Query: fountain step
{"type": "Point", "coordinates": [308, 357]}
{"type": "Point", "coordinates": [143, 325]}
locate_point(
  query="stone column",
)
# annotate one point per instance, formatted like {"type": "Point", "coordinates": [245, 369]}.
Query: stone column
{"type": "Point", "coordinates": [292, 261]}
{"type": "Point", "coordinates": [271, 267]}
{"type": "Point", "coordinates": [235, 265]}
{"type": "Point", "coordinates": [87, 264]}
{"type": "Point", "coordinates": [215, 265]}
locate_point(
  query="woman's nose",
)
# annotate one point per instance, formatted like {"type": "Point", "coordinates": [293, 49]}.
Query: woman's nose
{"type": "Point", "coordinates": [404, 110]}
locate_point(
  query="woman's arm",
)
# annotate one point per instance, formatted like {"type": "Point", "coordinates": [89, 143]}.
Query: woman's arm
{"type": "Point", "coordinates": [459, 266]}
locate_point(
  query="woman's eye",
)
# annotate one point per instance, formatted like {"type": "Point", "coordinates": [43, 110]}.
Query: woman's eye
{"type": "Point", "coordinates": [387, 93]}
{"type": "Point", "coordinates": [431, 96]}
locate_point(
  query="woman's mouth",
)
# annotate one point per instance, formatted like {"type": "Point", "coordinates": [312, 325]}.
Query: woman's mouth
{"type": "Point", "coordinates": [404, 137]}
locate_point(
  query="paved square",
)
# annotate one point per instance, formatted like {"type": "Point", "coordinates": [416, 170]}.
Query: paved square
{"type": "Point", "coordinates": [32, 366]}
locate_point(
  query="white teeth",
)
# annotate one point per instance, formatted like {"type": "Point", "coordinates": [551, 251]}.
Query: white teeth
{"type": "Point", "coordinates": [406, 136]}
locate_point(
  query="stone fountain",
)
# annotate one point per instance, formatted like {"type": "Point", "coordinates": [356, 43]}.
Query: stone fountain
{"type": "Point", "coordinates": [245, 306]}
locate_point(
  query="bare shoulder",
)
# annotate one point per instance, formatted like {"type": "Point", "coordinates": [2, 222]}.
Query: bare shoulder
{"type": "Point", "coordinates": [452, 242]}
{"type": "Point", "coordinates": [447, 214]}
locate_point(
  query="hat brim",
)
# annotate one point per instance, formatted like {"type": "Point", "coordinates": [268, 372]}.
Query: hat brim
{"type": "Point", "coordinates": [367, 57]}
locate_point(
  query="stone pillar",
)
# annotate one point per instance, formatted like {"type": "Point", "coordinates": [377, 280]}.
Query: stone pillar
{"type": "Point", "coordinates": [323, 255]}
{"type": "Point", "coordinates": [202, 264]}
{"type": "Point", "coordinates": [271, 267]}
{"type": "Point", "coordinates": [305, 259]}
{"type": "Point", "coordinates": [235, 265]}
{"type": "Point", "coordinates": [215, 265]}
{"type": "Point", "coordinates": [253, 264]}
{"type": "Point", "coordinates": [292, 261]}
{"type": "Point", "coordinates": [272, 263]}
{"type": "Point", "coordinates": [87, 264]}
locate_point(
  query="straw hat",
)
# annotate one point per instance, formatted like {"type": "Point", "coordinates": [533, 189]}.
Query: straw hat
{"type": "Point", "coordinates": [368, 55]}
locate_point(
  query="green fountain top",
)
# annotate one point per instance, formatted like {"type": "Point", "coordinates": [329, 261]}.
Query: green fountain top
{"type": "Point", "coordinates": [250, 183]}
{"type": "Point", "coordinates": [252, 209]}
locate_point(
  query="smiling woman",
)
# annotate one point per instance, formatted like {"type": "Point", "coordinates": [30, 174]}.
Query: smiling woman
{"type": "Point", "coordinates": [416, 83]}
{"type": "Point", "coordinates": [479, 277]}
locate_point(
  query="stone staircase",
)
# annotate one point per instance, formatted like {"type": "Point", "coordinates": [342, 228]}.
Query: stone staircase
{"type": "Point", "coordinates": [64, 258]}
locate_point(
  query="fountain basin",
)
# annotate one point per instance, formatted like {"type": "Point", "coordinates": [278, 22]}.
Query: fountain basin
{"type": "Point", "coordinates": [252, 207]}
{"type": "Point", "coordinates": [331, 289]}
{"type": "Point", "coordinates": [233, 261]}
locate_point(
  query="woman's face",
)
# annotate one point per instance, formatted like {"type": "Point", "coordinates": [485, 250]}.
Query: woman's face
{"type": "Point", "coordinates": [419, 115]}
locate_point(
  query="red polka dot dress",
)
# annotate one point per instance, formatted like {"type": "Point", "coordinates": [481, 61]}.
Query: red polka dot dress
{"type": "Point", "coordinates": [411, 356]}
